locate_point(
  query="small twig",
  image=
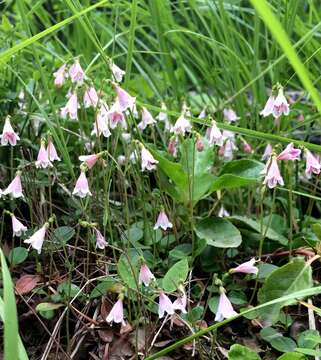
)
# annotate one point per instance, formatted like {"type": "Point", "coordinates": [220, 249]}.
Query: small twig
{"type": "Point", "coordinates": [158, 332]}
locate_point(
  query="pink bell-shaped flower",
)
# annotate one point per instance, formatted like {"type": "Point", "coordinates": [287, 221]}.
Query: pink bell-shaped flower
{"type": "Point", "coordinates": [37, 239]}
{"type": "Point", "coordinates": [225, 309]}
{"type": "Point", "coordinates": [181, 126]}
{"type": "Point", "coordinates": [42, 158]}
{"type": "Point", "coordinates": [90, 98]}
{"type": "Point", "coordinates": [230, 115]}
{"type": "Point", "coordinates": [147, 119]}
{"type": "Point", "coordinates": [163, 222]}
{"type": "Point", "coordinates": [280, 105]}
{"type": "Point", "coordinates": [272, 174]}
{"type": "Point", "coordinates": [116, 313]}
{"type": "Point", "coordinates": [181, 301]}
{"type": "Point", "coordinates": [267, 152]}
{"type": "Point", "coordinates": [247, 148]}
{"type": "Point", "coordinates": [202, 115]}
{"type": "Point", "coordinates": [101, 123]}
{"type": "Point", "coordinates": [246, 268]}
{"type": "Point", "coordinates": [312, 164]}
{"type": "Point", "coordinates": [172, 147]}
{"type": "Point", "coordinates": [116, 116]}
{"type": "Point", "coordinates": [76, 73]}
{"type": "Point", "coordinates": [214, 135]}
{"type": "Point", "coordinates": [71, 107]}
{"type": "Point", "coordinates": [126, 101]}
{"type": "Point", "coordinates": [117, 72]}
{"type": "Point", "coordinates": [145, 275]}
{"type": "Point", "coordinates": [90, 160]}
{"type": "Point", "coordinates": [52, 152]}
{"type": "Point", "coordinates": [290, 153]}
{"type": "Point", "coordinates": [8, 135]}
{"type": "Point", "coordinates": [163, 117]}
{"type": "Point", "coordinates": [17, 226]}
{"type": "Point", "coordinates": [148, 161]}
{"type": "Point", "coordinates": [81, 188]}
{"type": "Point", "coordinates": [60, 76]}
{"type": "Point", "coordinates": [101, 242]}
{"type": "Point", "coordinates": [15, 188]}
{"type": "Point", "coordinates": [268, 108]}
{"type": "Point", "coordinates": [223, 212]}
{"type": "Point", "coordinates": [164, 305]}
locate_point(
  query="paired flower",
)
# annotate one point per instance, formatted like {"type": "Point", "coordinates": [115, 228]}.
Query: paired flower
{"type": "Point", "coordinates": [163, 222]}
{"type": "Point", "coordinates": [37, 239]}
{"type": "Point", "coordinates": [246, 268]}
{"type": "Point", "coordinates": [90, 160]}
{"type": "Point", "coordinates": [117, 72]}
{"type": "Point", "coordinates": [60, 76]}
{"type": "Point", "coordinates": [101, 123]}
{"type": "Point", "coordinates": [164, 305]}
{"type": "Point", "coordinates": [181, 301]}
{"type": "Point", "coordinates": [116, 116]}
{"type": "Point", "coordinates": [148, 161]}
{"type": "Point", "coordinates": [162, 116]}
{"type": "Point", "coordinates": [52, 152]}
{"type": "Point", "coordinates": [76, 73]}
{"type": "Point", "coordinates": [276, 105]}
{"type": "Point", "coordinates": [312, 164]}
{"type": "Point", "coordinates": [225, 309]}
{"type": "Point", "coordinates": [8, 134]}
{"type": "Point", "coordinates": [181, 126]}
{"type": "Point", "coordinates": [267, 152]}
{"type": "Point", "coordinates": [289, 153]}
{"type": "Point", "coordinates": [117, 313]}
{"type": "Point", "coordinates": [125, 100]}
{"type": "Point", "coordinates": [223, 212]}
{"type": "Point", "coordinates": [101, 242]}
{"type": "Point", "coordinates": [82, 188]}
{"type": "Point", "coordinates": [230, 115]}
{"type": "Point", "coordinates": [17, 226]}
{"type": "Point", "coordinates": [71, 108]}
{"type": "Point", "coordinates": [15, 188]}
{"type": "Point", "coordinates": [147, 119]}
{"type": "Point", "coordinates": [43, 158]}
{"type": "Point", "coordinates": [214, 135]}
{"type": "Point", "coordinates": [90, 98]}
{"type": "Point", "coordinates": [272, 173]}
{"type": "Point", "coordinates": [145, 275]}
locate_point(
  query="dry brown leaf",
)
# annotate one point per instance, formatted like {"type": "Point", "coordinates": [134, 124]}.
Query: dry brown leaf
{"type": "Point", "coordinates": [106, 335]}
{"type": "Point", "coordinates": [26, 283]}
{"type": "Point", "coordinates": [125, 329]}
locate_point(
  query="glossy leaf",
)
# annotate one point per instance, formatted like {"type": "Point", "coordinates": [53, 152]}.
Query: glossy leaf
{"type": "Point", "coordinates": [175, 275]}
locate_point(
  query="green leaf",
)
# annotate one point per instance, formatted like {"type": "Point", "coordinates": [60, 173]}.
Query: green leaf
{"type": "Point", "coordinates": [213, 304]}
{"type": "Point", "coordinates": [292, 356]}
{"type": "Point", "coordinates": [218, 232]}
{"type": "Point", "coordinates": [175, 275]}
{"type": "Point", "coordinates": [294, 276]}
{"type": "Point", "coordinates": [309, 339]}
{"type": "Point", "coordinates": [127, 268]}
{"type": "Point", "coordinates": [240, 221]}
{"type": "Point", "coordinates": [309, 352]}
{"type": "Point", "coordinates": [17, 255]}
{"type": "Point", "coordinates": [101, 288]}
{"type": "Point", "coordinates": [61, 236]}
{"type": "Point", "coordinates": [239, 352]}
{"type": "Point", "coordinates": [181, 251]}
{"type": "Point", "coordinates": [46, 306]}
{"type": "Point", "coordinates": [277, 340]}
{"type": "Point", "coordinates": [237, 297]}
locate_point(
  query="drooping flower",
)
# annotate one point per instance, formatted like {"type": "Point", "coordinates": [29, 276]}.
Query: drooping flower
{"type": "Point", "coordinates": [148, 161]}
{"type": "Point", "coordinates": [230, 115]}
{"type": "Point", "coordinates": [76, 72]}
{"type": "Point", "coordinates": [215, 137]}
{"type": "Point", "coordinates": [101, 123]}
{"type": "Point", "coordinates": [90, 98]}
{"type": "Point", "coordinates": [125, 100]}
{"type": "Point", "coordinates": [272, 173]}
{"type": "Point", "coordinates": [37, 239]}
{"type": "Point", "coordinates": [163, 222]}
{"type": "Point", "coordinates": [164, 305]}
{"type": "Point", "coordinates": [181, 301]}
{"type": "Point", "coordinates": [117, 72]}
{"type": "Point", "coordinates": [60, 76]}
{"type": "Point", "coordinates": [246, 268]}
{"type": "Point", "coordinates": [312, 164]}
{"type": "Point", "coordinates": [202, 114]}
{"type": "Point", "coordinates": [8, 134]}
{"type": "Point", "coordinates": [268, 108]}
{"type": "Point", "coordinates": [101, 242]}
{"type": "Point", "coordinates": [52, 152]}
{"type": "Point", "coordinates": [17, 226]}
{"type": "Point", "coordinates": [229, 146]}
{"type": "Point", "coordinates": [280, 105]}
{"type": "Point", "coordinates": [247, 148]}
{"type": "Point", "coordinates": [223, 212]}
{"type": "Point", "coordinates": [267, 152]}
{"type": "Point", "coordinates": [225, 309]}
{"type": "Point", "coordinates": [42, 158]}
{"type": "Point", "coordinates": [15, 188]}
{"type": "Point", "coordinates": [162, 116]}
{"type": "Point", "coordinates": [145, 275]}
{"type": "Point", "coordinates": [147, 119]}
{"type": "Point", "coordinates": [116, 116]}
{"type": "Point", "coordinates": [90, 160]}
{"type": "Point", "coordinates": [172, 147]}
{"type": "Point", "coordinates": [133, 157]}
{"type": "Point", "coordinates": [289, 153]}
{"type": "Point", "coordinates": [71, 107]}
{"type": "Point", "coordinates": [116, 313]}
{"type": "Point", "coordinates": [82, 188]}
{"type": "Point", "coordinates": [181, 126]}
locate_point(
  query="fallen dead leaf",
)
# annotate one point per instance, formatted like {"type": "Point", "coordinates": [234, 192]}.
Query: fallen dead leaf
{"type": "Point", "coordinates": [26, 283]}
{"type": "Point", "coordinates": [106, 335]}
{"type": "Point", "coordinates": [125, 329]}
